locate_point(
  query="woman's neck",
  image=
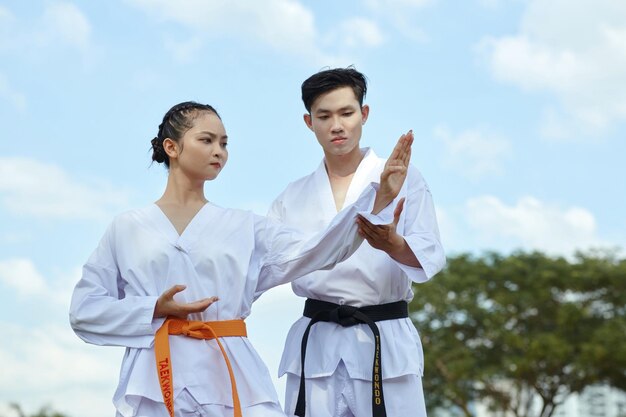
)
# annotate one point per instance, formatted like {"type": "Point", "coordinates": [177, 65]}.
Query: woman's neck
{"type": "Point", "coordinates": [182, 191]}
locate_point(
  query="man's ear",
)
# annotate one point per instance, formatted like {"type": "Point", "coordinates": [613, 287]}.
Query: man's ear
{"type": "Point", "coordinates": [171, 148]}
{"type": "Point", "coordinates": [365, 112]}
{"type": "Point", "coordinates": [307, 120]}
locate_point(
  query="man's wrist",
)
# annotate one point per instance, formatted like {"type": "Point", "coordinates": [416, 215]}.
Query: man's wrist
{"type": "Point", "coordinates": [397, 246]}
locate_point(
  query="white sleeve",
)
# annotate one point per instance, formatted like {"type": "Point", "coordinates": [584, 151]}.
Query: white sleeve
{"type": "Point", "coordinates": [421, 231]}
{"type": "Point", "coordinates": [290, 254]}
{"type": "Point", "coordinates": [276, 210]}
{"type": "Point", "coordinates": [100, 312]}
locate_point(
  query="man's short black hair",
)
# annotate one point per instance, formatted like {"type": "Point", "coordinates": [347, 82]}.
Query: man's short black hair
{"type": "Point", "coordinates": [331, 79]}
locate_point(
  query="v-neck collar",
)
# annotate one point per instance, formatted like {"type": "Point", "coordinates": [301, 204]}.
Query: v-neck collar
{"type": "Point", "coordinates": [189, 234]}
{"type": "Point", "coordinates": [359, 180]}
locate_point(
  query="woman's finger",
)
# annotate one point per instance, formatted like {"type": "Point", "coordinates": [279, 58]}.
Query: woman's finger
{"type": "Point", "coordinates": [198, 306]}
{"type": "Point", "coordinates": [170, 292]}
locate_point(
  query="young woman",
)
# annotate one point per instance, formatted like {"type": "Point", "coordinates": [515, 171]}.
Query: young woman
{"type": "Point", "coordinates": [158, 269]}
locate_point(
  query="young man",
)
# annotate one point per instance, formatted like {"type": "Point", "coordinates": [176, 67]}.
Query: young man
{"type": "Point", "coordinates": [362, 354]}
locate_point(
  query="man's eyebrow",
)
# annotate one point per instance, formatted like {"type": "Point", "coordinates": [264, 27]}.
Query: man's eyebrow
{"type": "Point", "coordinates": [344, 108]}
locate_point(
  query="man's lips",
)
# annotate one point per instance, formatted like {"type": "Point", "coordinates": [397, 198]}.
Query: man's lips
{"type": "Point", "coordinates": [216, 164]}
{"type": "Point", "coordinates": [339, 139]}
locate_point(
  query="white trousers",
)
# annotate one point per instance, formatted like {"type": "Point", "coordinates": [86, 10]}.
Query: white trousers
{"type": "Point", "coordinates": [186, 405]}
{"type": "Point", "coordinates": [338, 395]}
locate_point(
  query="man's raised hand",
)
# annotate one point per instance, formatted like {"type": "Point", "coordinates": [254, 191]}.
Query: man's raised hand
{"type": "Point", "coordinates": [395, 171]}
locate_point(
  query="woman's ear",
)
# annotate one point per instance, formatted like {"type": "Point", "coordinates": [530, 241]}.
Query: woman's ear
{"type": "Point", "coordinates": [171, 148]}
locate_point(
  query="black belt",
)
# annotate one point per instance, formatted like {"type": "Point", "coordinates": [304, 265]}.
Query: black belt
{"type": "Point", "coordinates": [348, 316]}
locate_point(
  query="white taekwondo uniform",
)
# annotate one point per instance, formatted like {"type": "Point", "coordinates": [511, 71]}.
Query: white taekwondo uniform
{"type": "Point", "coordinates": [370, 277]}
{"type": "Point", "coordinates": [232, 254]}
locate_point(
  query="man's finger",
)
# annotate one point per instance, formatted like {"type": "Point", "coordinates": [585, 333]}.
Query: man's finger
{"type": "Point", "coordinates": [397, 150]}
{"type": "Point", "coordinates": [374, 231]}
{"type": "Point", "coordinates": [394, 169]}
{"type": "Point", "coordinates": [368, 234]}
{"type": "Point", "coordinates": [397, 156]}
{"type": "Point", "coordinates": [407, 154]}
{"type": "Point", "coordinates": [398, 211]}
{"type": "Point", "coordinates": [365, 224]}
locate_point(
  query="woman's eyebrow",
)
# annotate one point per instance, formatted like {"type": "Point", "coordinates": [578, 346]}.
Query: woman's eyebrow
{"type": "Point", "coordinates": [211, 134]}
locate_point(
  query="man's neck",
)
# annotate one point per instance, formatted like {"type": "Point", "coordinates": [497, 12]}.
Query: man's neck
{"type": "Point", "coordinates": [339, 166]}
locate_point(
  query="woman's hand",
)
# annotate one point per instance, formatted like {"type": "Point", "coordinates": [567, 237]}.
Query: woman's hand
{"type": "Point", "coordinates": [167, 306]}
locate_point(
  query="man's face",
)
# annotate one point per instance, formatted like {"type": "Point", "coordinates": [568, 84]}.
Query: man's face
{"type": "Point", "coordinates": [336, 119]}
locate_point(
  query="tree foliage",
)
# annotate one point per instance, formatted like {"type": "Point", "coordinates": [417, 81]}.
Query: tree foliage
{"type": "Point", "coordinates": [43, 412]}
{"type": "Point", "coordinates": [521, 332]}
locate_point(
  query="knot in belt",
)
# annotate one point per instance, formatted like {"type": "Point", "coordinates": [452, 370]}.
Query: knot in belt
{"type": "Point", "coordinates": [347, 316]}
{"type": "Point", "coordinates": [196, 330]}
{"type": "Point", "coordinates": [343, 315]}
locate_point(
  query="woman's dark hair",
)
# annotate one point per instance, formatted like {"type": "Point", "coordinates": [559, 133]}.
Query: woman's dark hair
{"type": "Point", "coordinates": [175, 123]}
{"type": "Point", "coordinates": [328, 80]}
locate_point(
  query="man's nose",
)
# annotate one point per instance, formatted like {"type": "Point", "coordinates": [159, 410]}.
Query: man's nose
{"type": "Point", "coordinates": [337, 126]}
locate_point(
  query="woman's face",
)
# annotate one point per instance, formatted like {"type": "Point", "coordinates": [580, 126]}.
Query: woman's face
{"type": "Point", "coordinates": [203, 153]}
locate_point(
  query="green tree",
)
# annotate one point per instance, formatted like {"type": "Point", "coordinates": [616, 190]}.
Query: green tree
{"type": "Point", "coordinates": [43, 412]}
{"type": "Point", "coordinates": [522, 332]}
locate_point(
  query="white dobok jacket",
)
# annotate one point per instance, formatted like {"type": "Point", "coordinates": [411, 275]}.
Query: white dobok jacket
{"type": "Point", "coordinates": [369, 277]}
{"type": "Point", "coordinates": [232, 254]}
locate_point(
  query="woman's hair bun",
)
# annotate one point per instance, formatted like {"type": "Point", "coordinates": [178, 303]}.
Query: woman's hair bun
{"type": "Point", "coordinates": [158, 152]}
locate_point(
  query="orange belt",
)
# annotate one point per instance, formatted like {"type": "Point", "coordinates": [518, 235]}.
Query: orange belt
{"type": "Point", "coordinates": [197, 330]}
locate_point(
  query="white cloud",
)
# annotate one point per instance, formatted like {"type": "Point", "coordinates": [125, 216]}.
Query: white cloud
{"type": "Point", "coordinates": [61, 24]}
{"type": "Point", "coordinates": [184, 51]}
{"type": "Point", "coordinates": [65, 22]}
{"type": "Point", "coordinates": [576, 50]}
{"type": "Point", "coordinates": [473, 153]}
{"type": "Point", "coordinates": [284, 25]}
{"type": "Point", "coordinates": [531, 224]}
{"type": "Point", "coordinates": [494, 4]}
{"type": "Point", "coordinates": [53, 367]}
{"type": "Point", "coordinates": [16, 98]}
{"type": "Point", "coordinates": [401, 15]}
{"type": "Point", "coordinates": [21, 275]}
{"type": "Point", "coordinates": [554, 124]}
{"type": "Point", "coordinates": [25, 192]}
{"type": "Point", "coordinates": [398, 4]}
{"type": "Point", "coordinates": [358, 32]}
{"type": "Point", "coordinates": [7, 21]}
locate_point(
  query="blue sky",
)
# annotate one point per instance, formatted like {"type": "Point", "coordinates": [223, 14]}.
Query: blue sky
{"type": "Point", "coordinates": [518, 109]}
